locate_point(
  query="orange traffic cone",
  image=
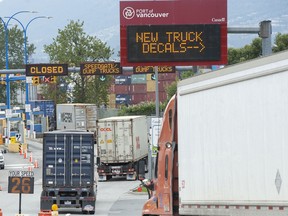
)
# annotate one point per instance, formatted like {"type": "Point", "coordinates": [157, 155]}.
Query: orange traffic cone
{"type": "Point", "coordinates": [36, 164]}
{"type": "Point", "coordinates": [25, 154]}
{"type": "Point", "coordinates": [0, 188]}
{"type": "Point", "coordinates": [21, 150]}
{"type": "Point", "coordinates": [30, 168]}
{"type": "Point", "coordinates": [30, 158]}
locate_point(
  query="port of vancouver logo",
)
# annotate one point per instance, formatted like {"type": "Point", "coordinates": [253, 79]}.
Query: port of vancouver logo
{"type": "Point", "coordinates": [129, 13]}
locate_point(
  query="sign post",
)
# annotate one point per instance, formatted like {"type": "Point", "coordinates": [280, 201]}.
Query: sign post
{"type": "Point", "coordinates": [21, 182]}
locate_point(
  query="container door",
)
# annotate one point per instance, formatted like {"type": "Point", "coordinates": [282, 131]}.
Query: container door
{"type": "Point", "coordinates": [106, 141]}
{"type": "Point", "coordinates": [80, 118]}
{"type": "Point", "coordinates": [68, 160]}
{"type": "Point", "coordinates": [123, 141]}
{"type": "Point", "coordinates": [91, 117]}
{"type": "Point", "coordinates": [54, 157]}
{"type": "Point", "coordinates": [82, 160]}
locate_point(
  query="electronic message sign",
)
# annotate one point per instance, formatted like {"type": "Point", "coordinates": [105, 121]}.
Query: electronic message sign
{"type": "Point", "coordinates": [100, 68]}
{"type": "Point", "coordinates": [21, 182]}
{"type": "Point", "coordinates": [173, 32]}
{"type": "Point", "coordinates": [176, 43]}
{"type": "Point", "coordinates": [46, 69]}
{"type": "Point", "coordinates": [151, 69]}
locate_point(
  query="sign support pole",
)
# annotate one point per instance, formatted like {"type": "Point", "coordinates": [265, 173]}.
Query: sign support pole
{"type": "Point", "coordinates": [20, 199]}
{"type": "Point", "coordinates": [156, 92]}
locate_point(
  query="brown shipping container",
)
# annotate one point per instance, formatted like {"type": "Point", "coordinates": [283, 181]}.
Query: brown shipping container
{"type": "Point", "coordinates": [151, 96]}
{"type": "Point", "coordinates": [151, 86]}
{"type": "Point", "coordinates": [162, 85]}
{"type": "Point", "coordinates": [138, 88]}
{"type": "Point", "coordinates": [138, 98]}
{"type": "Point", "coordinates": [167, 76]}
{"type": "Point", "coordinates": [122, 89]}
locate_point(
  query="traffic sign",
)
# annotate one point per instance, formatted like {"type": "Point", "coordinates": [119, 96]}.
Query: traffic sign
{"type": "Point", "coordinates": [100, 68]}
{"type": "Point", "coordinates": [102, 78]}
{"type": "Point", "coordinates": [173, 32]}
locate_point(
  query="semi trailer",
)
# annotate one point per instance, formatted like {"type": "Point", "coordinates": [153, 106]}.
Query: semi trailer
{"type": "Point", "coordinates": [122, 147]}
{"type": "Point", "coordinates": [68, 176]}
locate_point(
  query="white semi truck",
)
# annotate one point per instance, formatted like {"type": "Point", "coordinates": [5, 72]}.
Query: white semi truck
{"type": "Point", "coordinates": [122, 147]}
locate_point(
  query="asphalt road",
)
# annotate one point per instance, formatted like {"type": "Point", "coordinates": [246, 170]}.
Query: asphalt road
{"type": "Point", "coordinates": [114, 197]}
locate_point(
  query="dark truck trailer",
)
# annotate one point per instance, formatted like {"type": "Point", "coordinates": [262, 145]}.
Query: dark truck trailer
{"type": "Point", "coordinates": [68, 170]}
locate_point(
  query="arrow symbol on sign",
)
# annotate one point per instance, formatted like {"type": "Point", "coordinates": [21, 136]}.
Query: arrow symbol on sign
{"type": "Point", "coordinates": [102, 77]}
{"type": "Point", "coordinates": [203, 47]}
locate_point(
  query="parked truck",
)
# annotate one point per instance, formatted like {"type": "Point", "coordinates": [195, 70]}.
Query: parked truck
{"type": "Point", "coordinates": [122, 147]}
{"type": "Point", "coordinates": [68, 177]}
{"type": "Point", "coordinates": [223, 144]}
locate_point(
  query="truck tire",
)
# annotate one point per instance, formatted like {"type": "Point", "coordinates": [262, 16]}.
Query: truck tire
{"type": "Point", "coordinates": [88, 212]}
{"type": "Point", "coordinates": [141, 170]}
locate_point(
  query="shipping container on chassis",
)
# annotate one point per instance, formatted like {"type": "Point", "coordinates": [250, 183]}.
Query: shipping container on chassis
{"type": "Point", "coordinates": [68, 170]}
{"type": "Point", "coordinates": [122, 146]}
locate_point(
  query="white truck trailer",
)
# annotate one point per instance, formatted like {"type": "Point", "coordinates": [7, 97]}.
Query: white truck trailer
{"type": "Point", "coordinates": [76, 116]}
{"type": "Point", "coordinates": [122, 147]}
{"type": "Point", "coordinates": [224, 143]}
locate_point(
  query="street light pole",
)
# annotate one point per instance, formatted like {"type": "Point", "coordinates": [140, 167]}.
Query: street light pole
{"type": "Point", "coordinates": [25, 45]}
{"type": "Point", "coordinates": [7, 56]}
{"type": "Point", "coordinates": [7, 65]}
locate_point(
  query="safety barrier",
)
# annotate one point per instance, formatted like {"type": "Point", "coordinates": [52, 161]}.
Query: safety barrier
{"type": "Point", "coordinates": [36, 164]}
{"type": "Point", "coordinates": [31, 158]}
{"type": "Point", "coordinates": [44, 213]}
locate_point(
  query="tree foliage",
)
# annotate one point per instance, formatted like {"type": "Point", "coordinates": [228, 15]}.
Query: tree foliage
{"type": "Point", "coordinates": [16, 56]}
{"type": "Point", "coordinates": [254, 50]}
{"type": "Point", "coordinates": [73, 46]}
{"type": "Point", "coordinates": [145, 108]}
{"type": "Point", "coordinates": [281, 42]}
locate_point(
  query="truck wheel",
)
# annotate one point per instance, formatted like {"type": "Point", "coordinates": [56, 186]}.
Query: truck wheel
{"type": "Point", "coordinates": [88, 212]}
{"type": "Point", "coordinates": [141, 170]}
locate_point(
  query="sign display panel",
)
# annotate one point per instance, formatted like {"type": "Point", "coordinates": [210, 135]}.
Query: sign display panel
{"type": "Point", "coordinates": [173, 32]}
{"type": "Point", "coordinates": [19, 184]}
{"type": "Point", "coordinates": [100, 68]}
{"type": "Point", "coordinates": [177, 43]}
{"type": "Point", "coordinates": [46, 69]}
{"type": "Point", "coordinates": [150, 69]}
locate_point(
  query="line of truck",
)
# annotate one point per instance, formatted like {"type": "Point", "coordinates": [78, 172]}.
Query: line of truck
{"type": "Point", "coordinates": [75, 159]}
{"type": "Point", "coordinates": [222, 148]}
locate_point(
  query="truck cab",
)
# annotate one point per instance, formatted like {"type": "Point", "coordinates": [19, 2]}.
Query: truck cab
{"type": "Point", "coordinates": [164, 197]}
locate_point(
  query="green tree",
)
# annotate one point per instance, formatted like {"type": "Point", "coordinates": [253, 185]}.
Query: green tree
{"type": "Point", "coordinates": [16, 59]}
{"type": "Point", "coordinates": [254, 50]}
{"type": "Point", "coordinates": [73, 46]}
{"type": "Point", "coordinates": [281, 42]}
